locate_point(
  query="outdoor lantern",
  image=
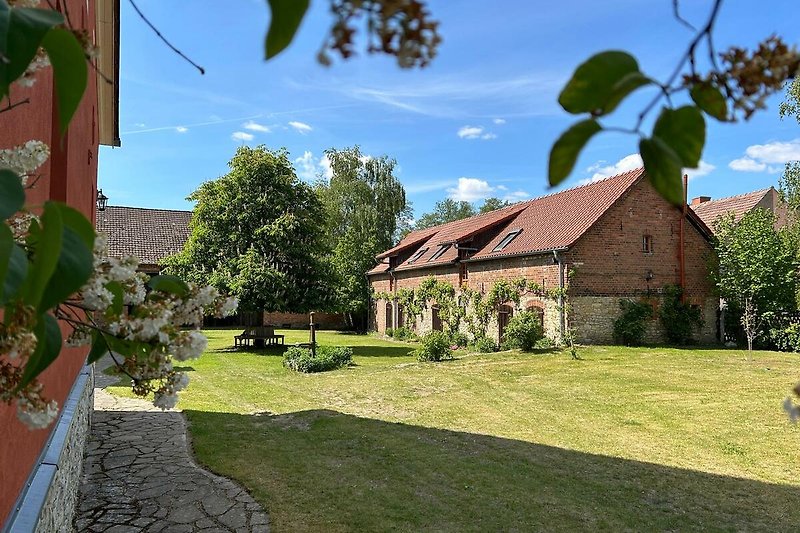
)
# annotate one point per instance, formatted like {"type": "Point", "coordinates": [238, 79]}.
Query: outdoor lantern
{"type": "Point", "coordinates": [102, 200]}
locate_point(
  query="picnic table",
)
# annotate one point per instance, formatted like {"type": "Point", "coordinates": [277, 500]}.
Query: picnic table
{"type": "Point", "coordinates": [260, 336]}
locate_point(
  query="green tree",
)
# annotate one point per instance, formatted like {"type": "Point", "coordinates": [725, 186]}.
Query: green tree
{"type": "Point", "coordinates": [791, 106]}
{"type": "Point", "coordinates": [757, 272]}
{"type": "Point", "coordinates": [446, 210]}
{"type": "Point", "coordinates": [256, 233]}
{"type": "Point", "coordinates": [492, 204]}
{"type": "Point", "coordinates": [365, 205]}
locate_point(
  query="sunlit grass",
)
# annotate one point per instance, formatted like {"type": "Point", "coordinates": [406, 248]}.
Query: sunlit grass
{"type": "Point", "coordinates": [626, 438]}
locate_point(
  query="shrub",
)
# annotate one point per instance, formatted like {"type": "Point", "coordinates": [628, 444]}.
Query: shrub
{"type": "Point", "coordinates": [435, 347]}
{"type": "Point", "coordinates": [327, 358]}
{"type": "Point", "coordinates": [389, 332]}
{"type": "Point", "coordinates": [485, 345]}
{"type": "Point", "coordinates": [786, 337]}
{"type": "Point", "coordinates": [630, 326]}
{"type": "Point", "coordinates": [523, 330]}
{"type": "Point", "coordinates": [459, 339]}
{"type": "Point", "coordinates": [679, 319]}
{"type": "Point", "coordinates": [544, 343]}
{"type": "Point", "coordinates": [404, 334]}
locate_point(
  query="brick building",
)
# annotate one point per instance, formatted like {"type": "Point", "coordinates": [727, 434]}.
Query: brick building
{"type": "Point", "coordinates": [612, 239]}
{"type": "Point", "coordinates": [710, 210]}
{"type": "Point", "coordinates": [40, 469]}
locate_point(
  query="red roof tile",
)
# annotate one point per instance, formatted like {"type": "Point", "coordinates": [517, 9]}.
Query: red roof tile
{"type": "Point", "coordinates": [710, 211]}
{"type": "Point", "coordinates": [557, 220]}
{"type": "Point", "coordinates": [148, 234]}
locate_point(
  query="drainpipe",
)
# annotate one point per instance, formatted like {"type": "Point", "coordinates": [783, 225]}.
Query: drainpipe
{"type": "Point", "coordinates": [681, 254]}
{"type": "Point", "coordinates": [562, 316]}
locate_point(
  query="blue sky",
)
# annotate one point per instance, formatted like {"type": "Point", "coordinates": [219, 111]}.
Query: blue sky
{"type": "Point", "coordinates": [478, 122]}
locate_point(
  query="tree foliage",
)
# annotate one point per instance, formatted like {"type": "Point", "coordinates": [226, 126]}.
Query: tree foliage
{"type": "Point", "coordinates": [256, 233]}
{"type": "Point", "coordinates": [790, 107]}
{"type": "Point", "coordinates": [492, 204]}
{"type": "Point", "coordinates": [757, 265]}
{"type": "Point", "coordinates": [447, 210]}
{"type": "Point", "coordinates": [365, 204]}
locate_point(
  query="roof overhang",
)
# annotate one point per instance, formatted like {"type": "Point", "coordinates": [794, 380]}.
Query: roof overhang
{"type": "Point", "coordinates": [518, 254]}
{"type": "Point", "coordinates": [107, 39]}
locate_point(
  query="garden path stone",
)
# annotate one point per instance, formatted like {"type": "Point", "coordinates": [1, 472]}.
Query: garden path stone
{"type": "Point", "coordinates": [139, 475]}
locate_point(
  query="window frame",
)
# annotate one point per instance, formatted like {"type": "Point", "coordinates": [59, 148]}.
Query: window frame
{"type": "Point", "coordinates": [417, 255]}
{"type": "Point", "coordinates": [508, 239]}
{"type": "Point", "coordinates": [438, 253]}
{"type": "Point", "coordinates": [647, 244]}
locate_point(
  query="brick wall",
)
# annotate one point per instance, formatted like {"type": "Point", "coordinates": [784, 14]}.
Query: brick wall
{"type": "Point", "coordinates": [607, 263]}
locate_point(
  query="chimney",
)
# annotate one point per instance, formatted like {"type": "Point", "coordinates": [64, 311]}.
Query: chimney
{"type": "Point", "coordinates": [700, 200]}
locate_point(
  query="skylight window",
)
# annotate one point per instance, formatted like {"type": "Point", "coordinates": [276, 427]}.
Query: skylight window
{"type": "Point", "coordinates": [442, 249]}
{"type": "Point", "coordinates": [510, 236]}
{"type": "Point", "coordinates": [417, 255]}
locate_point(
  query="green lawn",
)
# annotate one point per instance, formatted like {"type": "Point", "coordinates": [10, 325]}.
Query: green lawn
{"type": "Point", "coordinates": [624, 439]}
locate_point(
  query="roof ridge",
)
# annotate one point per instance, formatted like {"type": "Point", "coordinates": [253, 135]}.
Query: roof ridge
{"type": "Point", "coordinates": [735, 196]}
{"type": "Point", "coordinates": [147, 208]}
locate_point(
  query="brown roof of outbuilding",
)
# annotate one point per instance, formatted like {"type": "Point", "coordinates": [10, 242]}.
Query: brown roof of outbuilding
{"type": "Point", "coordinates": [148, 234]}
{"type": "Point", "coordinates": [710, 211]}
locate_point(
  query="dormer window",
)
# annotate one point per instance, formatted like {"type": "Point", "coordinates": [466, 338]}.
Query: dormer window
{"type": "Point", "coordinates": [510, 236]}
{"type": "Point", "coordinates": [417, 255]}
{"type": "Point", "coordinates": [442, 249]}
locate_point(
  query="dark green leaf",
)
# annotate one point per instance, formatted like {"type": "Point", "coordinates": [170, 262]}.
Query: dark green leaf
{"type": "Point", "coordinates": [99, 348]}
{"type": "Point", "coordinates": [15, 275]}
{"type": "Point", "coordinates": [116, 289]}
{"type": "Point", "coordinates": [5, 20]}
{"type": "Point", "coordinates": [46, 254]}
{"type": "Point", "coordinates": [710, 99]}
{"type": "Point", "coordinates": [76, 220]}
{"type": "Point", "coordinates": [663, 167]}
{"type": "Point", "coordinates": [566, 149]}
{"type": "Point", "coordinates": [74, 267]}
{"type": "Point", "coordinates": [25, 30]}
{"type": "Point", "coordinates": [69, 71]}
{"type": "Point", "coordinates": [624, 87]}
{"type": "Point", "coordinates": [599, 84]}
{"type": "Point", "coordinates": [169, 284]}
{"type": "Point", "coordinates": [48, 335]}
{"type": "Point", "coordinates": [683, 130]}
{"type": "Point", "coordinates": [12, 194]}
{"type": "Point", "coordinates": [122, 346]}
{"type": "Point", "coordinates": [286, 18]}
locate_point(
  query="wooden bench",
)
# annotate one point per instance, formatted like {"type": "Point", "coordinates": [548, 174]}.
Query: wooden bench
{"type": "Point", "coordinates": [260, 336]}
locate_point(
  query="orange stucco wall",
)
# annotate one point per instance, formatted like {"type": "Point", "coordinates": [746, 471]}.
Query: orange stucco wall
{"type": "Point", "coordinates": [69, 176]}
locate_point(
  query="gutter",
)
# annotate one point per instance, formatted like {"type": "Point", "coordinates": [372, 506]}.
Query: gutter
{"type": "Point", "coordinates": [518, 254]}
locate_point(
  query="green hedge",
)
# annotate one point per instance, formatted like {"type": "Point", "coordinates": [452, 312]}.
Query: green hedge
{"type": "Point", "coordinates": [327, 358]}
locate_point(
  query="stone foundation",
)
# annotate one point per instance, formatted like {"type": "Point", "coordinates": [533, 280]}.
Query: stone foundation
{"type": "Point", "coordinates": [50, 496]}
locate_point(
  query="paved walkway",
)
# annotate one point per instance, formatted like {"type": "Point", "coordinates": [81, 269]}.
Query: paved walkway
{"type": "Point", "coordinates": [139, 476]}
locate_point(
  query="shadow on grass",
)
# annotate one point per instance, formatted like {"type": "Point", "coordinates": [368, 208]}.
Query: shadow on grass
{"type": "Point", "coordinates": [393, 476]}
{"type": "Point", "coordinates": [358, 351]}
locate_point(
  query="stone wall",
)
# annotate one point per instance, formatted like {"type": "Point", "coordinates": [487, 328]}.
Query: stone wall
{"type": "Point", "coordinates": [49, 499]}
{"type": "Point", "coordinates": [301, 320]}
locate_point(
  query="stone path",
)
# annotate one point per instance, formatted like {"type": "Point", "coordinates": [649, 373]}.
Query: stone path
{"type": "Point", "coordinates": [139, 476]}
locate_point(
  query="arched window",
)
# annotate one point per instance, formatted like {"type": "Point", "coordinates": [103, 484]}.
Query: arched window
{"type": "Point", "coordinates": [538, 310]}
{"type": "Point", "coordinates": [436, 322]}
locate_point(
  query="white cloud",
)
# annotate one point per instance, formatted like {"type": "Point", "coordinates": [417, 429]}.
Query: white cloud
{"type": "Point", "coordinates": [140, 124]}
{"type": "Point", "coordinates": [775, 152]}
{"type": "Point", "coordinates": [762, 157]}
{"type": "Point", "coordinates": [633, 161]}
{"type": "Point", "coordinates": [499, 121]}
{"type": "Point", "coordinates": [470, 190]}
{"type": "Point", "coordinates": [309, 168]}
{"type": "Point", "coordinates": [516, 196]}
{"type": "Point", "coordinates": [703, 169]}
{"type": "Point", "coordinates": [629, 162]}
{"type": "Point", "coordinates": [301, 127]}
{"type": "Point", "coordinates": [255, 126]}
{"type": "Point", "coordinates": [469, 132]}
{"type": "Point", "coordinates": [242, 136]}
{"type": "Point", "coordinates": [181, 129]}
{"type": "Point", "coordinates": [745, 164]}
{"type": "Point", "coordinates": [475, 132]}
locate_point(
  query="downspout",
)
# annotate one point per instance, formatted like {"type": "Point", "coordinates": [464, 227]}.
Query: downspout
{"type": "Point", "coordinates": [681, 255]}
{"type": "Point", "coordinates": [562, 315]}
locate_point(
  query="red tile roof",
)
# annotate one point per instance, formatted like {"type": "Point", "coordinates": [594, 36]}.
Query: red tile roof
{"type": "Point", "coordinates": [549, 222]}
{"type": "Point", "coordinates": [148, 234]}
{"type": "Point", "coordinates": [710, 211]}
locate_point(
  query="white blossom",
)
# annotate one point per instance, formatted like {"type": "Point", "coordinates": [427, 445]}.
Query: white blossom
{"type": "Point", "coordinates": [36, 418]}
{"type": "Point", "coordinates": [188, 345]}
{"type": "Point", "coordinates": [165, 401]}
{"type": "Point", "coordinates": [24, 159]}
{"type": "Point", "coordinates": [792, 410]}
